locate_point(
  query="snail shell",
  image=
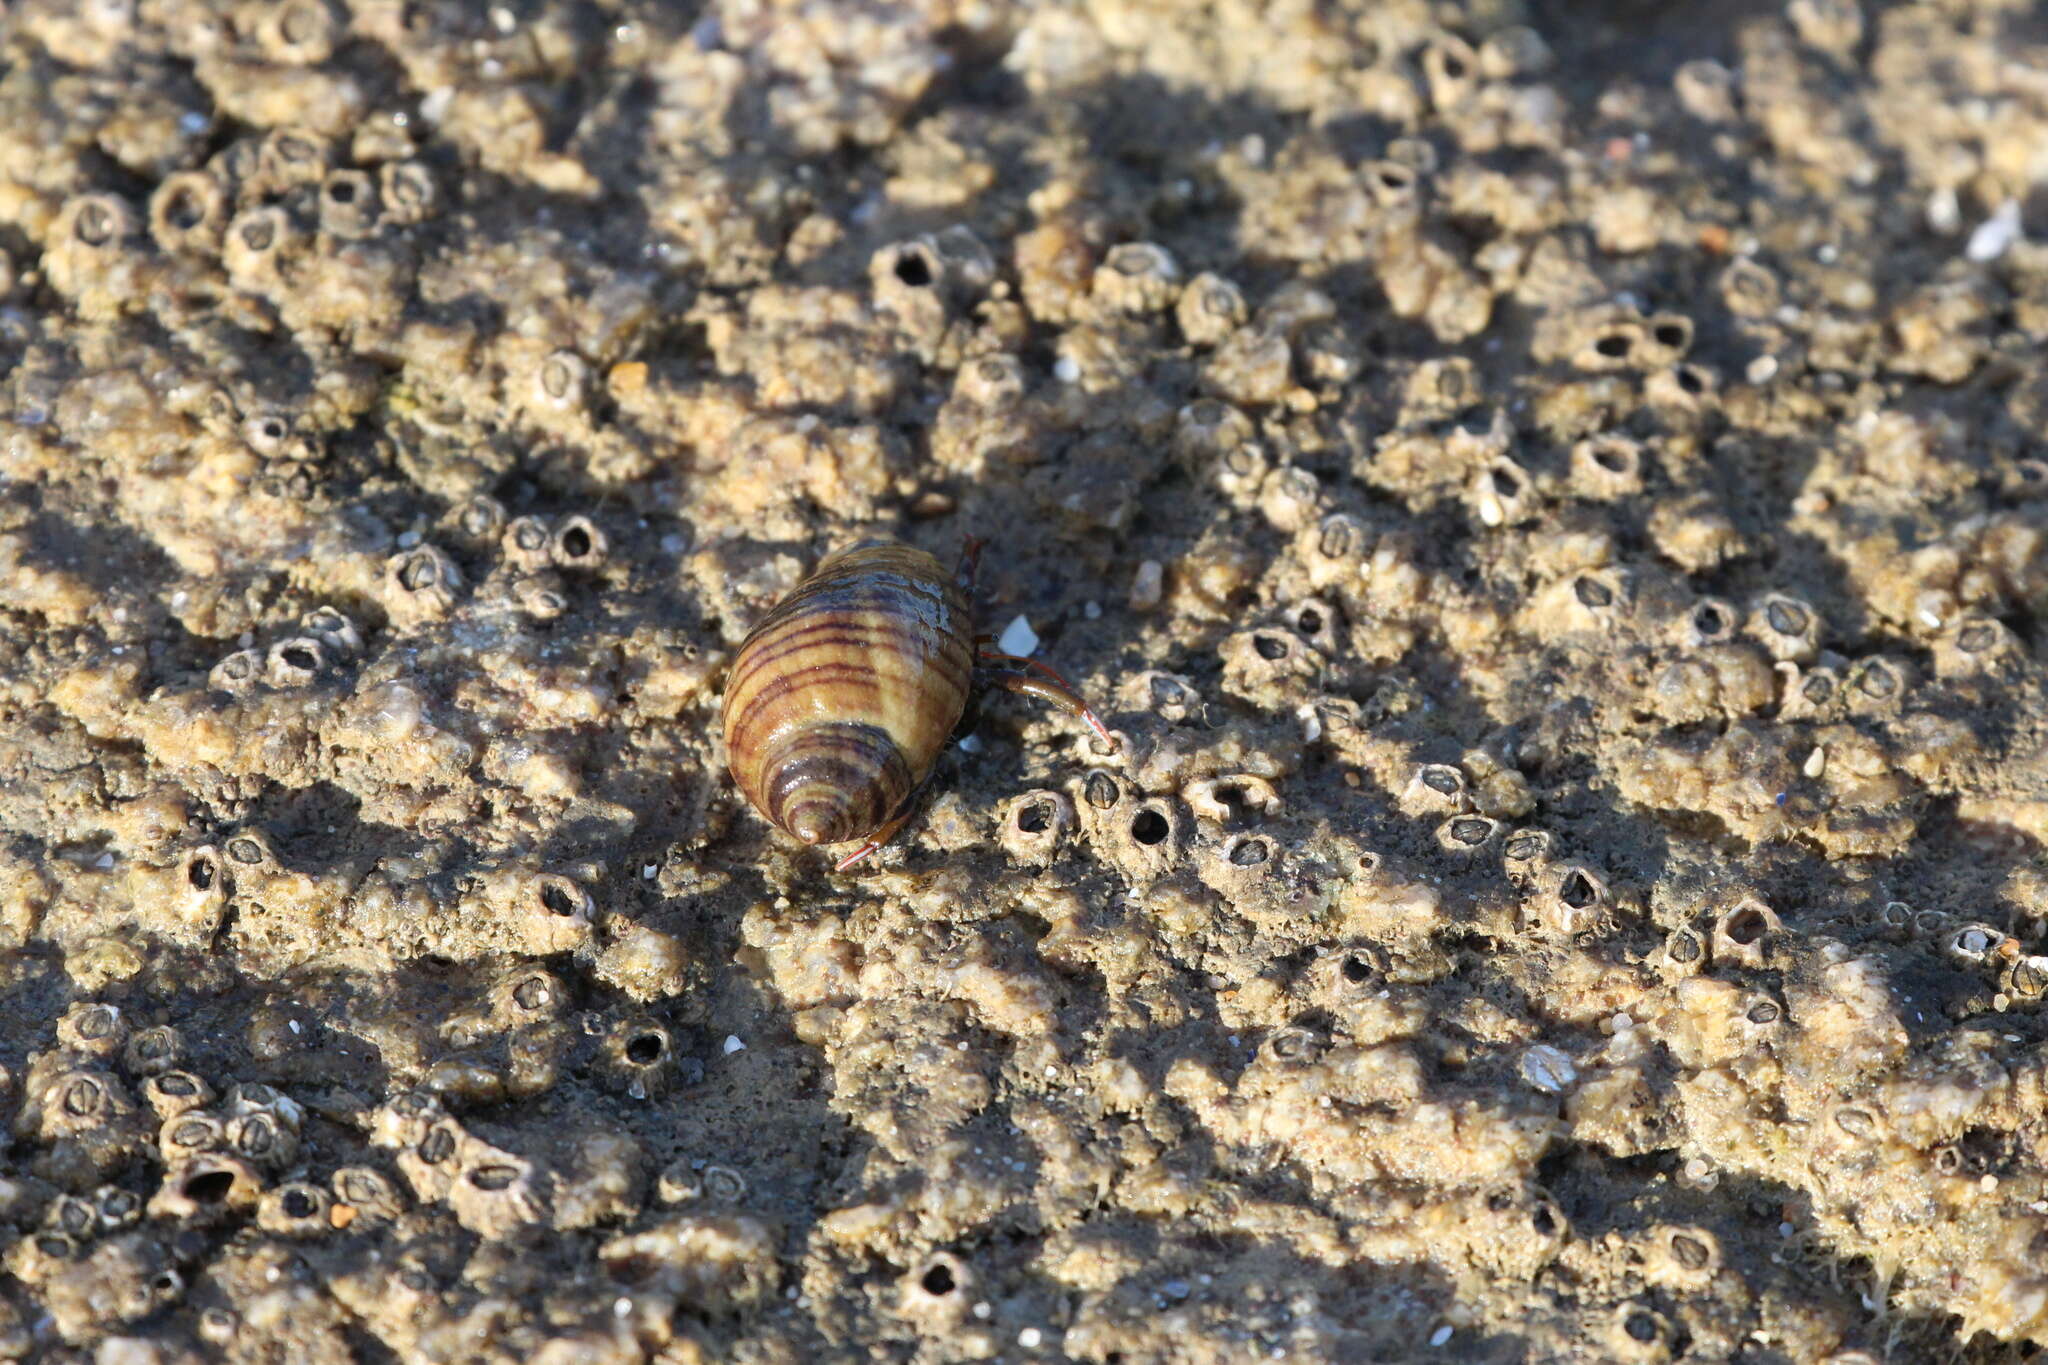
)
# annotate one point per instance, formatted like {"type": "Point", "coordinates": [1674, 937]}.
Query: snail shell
{"type": "Point", "coordinates": [843, 696]}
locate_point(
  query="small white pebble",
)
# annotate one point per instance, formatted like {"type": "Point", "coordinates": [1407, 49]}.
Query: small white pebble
{"type": "Point", "coordinates": [1762, 369]}
{"type": "Point", "coordinates": [408, 539]}
{"type": "Point", "coordinates": [294, 1026]}
{"type": "Point", "coordinates": [1066, 369]}
{"type": "Point", "coordinates": [971, 744]}
{"type": "Point", "coordinates": [1786, 1229]}
{"type": "Point", "coordinates": [1029, 1338]}
{"type": "Point", "coordinates": [733, 1044]}
{"type": "Point", "coordinates": [622, 1307]}
{"type": "Point", "coordinates": [982, 1310]}
{"type": "Point", "coordinates": [104, 860]}
{"type": "Point", "coordinates": [1148, 585]}
{"type": "Point", "coordinates": [180, 598]}
{"type": "Point", "coordinates": [1995, 234]}
{"type": "Point", "coordinates": [1440, 1335]}
{"type": "Point", "coordinates": [647, 872]}
{"type": "Point", "coordinates": [1988, 1183]}
{"type": "Point", "coordinates": [1944, 213]}
{"type": "Point", "coordinates": [1092, 610]}
{"type": "Point", "coordinates": [1018, 638]}
{"type": "Point", "coordinates": [1816, 762]}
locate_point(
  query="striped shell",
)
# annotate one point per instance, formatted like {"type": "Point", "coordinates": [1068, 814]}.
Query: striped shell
{"type": "Point", "coordinates": [841, 699]}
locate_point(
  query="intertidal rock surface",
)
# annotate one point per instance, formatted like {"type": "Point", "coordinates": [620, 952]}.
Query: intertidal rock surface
{"type": "Point", "coordinates": [1552, 499]}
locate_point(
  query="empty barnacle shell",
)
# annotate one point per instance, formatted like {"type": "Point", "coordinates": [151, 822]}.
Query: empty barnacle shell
{"type": "Point", "coordinates": [204, 1187]}
{"type": "Point", "coordinates": [238, 673]}
{"type": "Point", "coordinates": [1451, 69]}
{"type": "Point", "coordinates": [1392, 184]}
{"type": "Point", "coordinates": [1501, 494]}
{"type": "Point", "coordinates": [578, 544]}
{"type": "Point", "coordinates": [294, 662]}
{"type": "Point", "coordinates": [1638, 1332]}
{"type": "Point", "coordinates": [938, 1291]}
{"type": "Point", "coordinates": [1358, 969]}
{"type": "Point", "coordinates": [1618, 344]}
{"type": "Point", "coordinates": [348, 204]}
{"type": "Point", "coordinates": [1315, 621]}
{"type": "Point", "coordinates": [1034, 823]}
{"type": "Point", "coordinates": [1743, 933]}
{"type": "Point", "coordinates": [1576, 897]}
{"type": "Point", "coordinates": [1231, 799]}
{"type": "Point", "coordinates": [1668, 337]}
{"type": "Point", "coordinates": [640, 1057]}
{"type": "Point", "coordinates": [1681, 388]}
{"type": "Point", "coordinates": [1973, 942]}
{"type": "Point", "coordinates": [297, 1208]}
{"type": "Point", "coordinates": [1709, 621]}
{"type": "Point", "coordinates": [528, 543]}
{"type": "Point", "coordinates": [1608, 466]}
{"type": "Point", "coordinates": [188, 212]}
{"type": "Point", "coordinates": [561, 896]}
{"type": "Point", "coordinates": [255, 240]}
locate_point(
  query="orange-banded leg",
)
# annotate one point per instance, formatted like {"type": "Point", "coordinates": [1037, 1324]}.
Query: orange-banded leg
{"type": "Point", "coordinates": [1015, 673]}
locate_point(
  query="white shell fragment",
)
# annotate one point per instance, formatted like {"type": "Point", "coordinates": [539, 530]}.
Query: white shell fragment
{"type": "Point", "coordinates": [1018, 638]}
{"type": "Point", "coordinates": [1548, 1069]}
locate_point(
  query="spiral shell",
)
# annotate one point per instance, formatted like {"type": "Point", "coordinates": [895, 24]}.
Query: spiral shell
{"type": "Point", "coordinates": [842, 697]}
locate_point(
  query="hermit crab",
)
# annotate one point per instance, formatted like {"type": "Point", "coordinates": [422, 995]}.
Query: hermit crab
{"type": "Point", "coordinates": [842, 698]}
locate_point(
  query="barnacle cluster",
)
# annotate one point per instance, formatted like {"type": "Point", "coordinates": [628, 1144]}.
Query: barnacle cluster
{"type": "Point", "coordinates": [1551, 502]}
